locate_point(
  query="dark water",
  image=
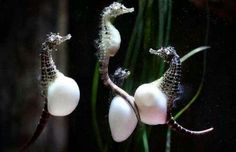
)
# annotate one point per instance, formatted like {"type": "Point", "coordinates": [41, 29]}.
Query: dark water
{"type": "Point", "coordinates": [24, 25]}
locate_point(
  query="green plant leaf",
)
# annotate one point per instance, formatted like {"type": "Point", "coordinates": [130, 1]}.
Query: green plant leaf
{"type": "Point", "coordinates": [191, 53]}
{"type": "Point", "coordinates": [183, 59]}
{"type": "Point", "coordinates": [94, 110]}
{"type": "Point", "coordinates": [168, 140]}
{"type": "Point", "coordinates": [145, 140]}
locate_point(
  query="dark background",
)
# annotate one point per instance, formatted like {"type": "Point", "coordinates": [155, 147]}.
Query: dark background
{"type": "Point", "coordinates": [24, 25]}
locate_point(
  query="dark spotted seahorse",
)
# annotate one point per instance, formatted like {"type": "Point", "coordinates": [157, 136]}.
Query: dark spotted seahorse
{"type": "Point", "coordinates": [170, 86]}
{"type": "Point", "coordinates": [48, 75]}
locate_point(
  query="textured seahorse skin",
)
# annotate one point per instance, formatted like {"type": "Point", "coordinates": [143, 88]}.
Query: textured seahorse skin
{"type": "Point", "coordinates": [119, 76]}
{"type": "Point", "coordinates": [171, 81]}
{"type": "Point", "coordinates": [48, 68]}
{"type": "Point", "coordinates": [104, 42]}
{"type": "Point", "coordinates": [105, 34]}
{"type": "Point", "coordinates": [109, 40]}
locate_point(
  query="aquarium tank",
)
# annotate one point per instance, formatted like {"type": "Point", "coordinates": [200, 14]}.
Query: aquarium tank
{"type": "Point", "coordinates": [117, 76]}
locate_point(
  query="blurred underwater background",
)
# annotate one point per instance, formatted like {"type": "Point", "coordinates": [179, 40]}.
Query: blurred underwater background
{"type": "Point", "coordinates": [207, 82]}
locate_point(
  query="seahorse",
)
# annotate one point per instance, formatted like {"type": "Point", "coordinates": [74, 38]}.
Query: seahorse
{"type": "Point", "coordinates": [109, 37]}
{"type": "Point", "coordinates": [169, 84]}
{"type": "Point", "coordinates": [108, 45]}
{"type": "Point", "coordinates": [118, 79]}
{"type": "Point", "coordinates": [119, 76]}
{"type": "Point", "coordinates": [56, 88]}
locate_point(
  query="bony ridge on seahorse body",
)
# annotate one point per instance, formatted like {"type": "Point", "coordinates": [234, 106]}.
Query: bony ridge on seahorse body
{"type": "Point", "coordinates": [155, 99]}
{"type": "Point", "coordinates": [60, 92]}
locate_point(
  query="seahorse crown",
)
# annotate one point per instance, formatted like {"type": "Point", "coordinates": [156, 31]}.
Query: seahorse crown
{"type": "Point", "coordinates": [116, 9]}
{"type": "Point", "coordinates": [167, 53]}
{"type": "Point", "coordinates": [54, 39]}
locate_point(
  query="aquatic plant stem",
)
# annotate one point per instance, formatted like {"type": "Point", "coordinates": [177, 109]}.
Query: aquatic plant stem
{"type": "Point", "coordinates": [135, 44]}
{"type": "Point", "coordinates": [160, 41]}
{"type": "Point", "coordinates": [191, 53]}
{"type": "Point", "coordinates": [168, 24]}
{"type": "Point", "coordinates": [145, 139]}
{"type": "Point", "coordinates": [168, 140]}
{"type": "Point", "coordinates": [94, 111]}
{"type": "Point", "coordinates": [183, 59]}
{"type": "Point", "coordinates": [137, 29]}
{"type": "Point", "coordinates": [161, 22]}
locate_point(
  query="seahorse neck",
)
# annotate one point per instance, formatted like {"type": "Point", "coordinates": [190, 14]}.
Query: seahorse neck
{"type": "Point", "coordinates": [48, 68]}
{"type": "Point", "coordinates": [106, 22]}
{"type": "Point", "coordinates": [109, 38]}
{"type": "Point", "coordinates": [171, 80]}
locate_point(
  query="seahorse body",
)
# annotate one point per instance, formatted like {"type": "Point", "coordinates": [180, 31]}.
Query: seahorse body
{"type": "Point", "coordinates": [171, 81]}
{"type": "Point", "coordinates": [48, 68]}
{"type": "Point", "coordinates": [169, 84]}
{"type": "Point", "coordinates": [49, 73]}
{"type": "Point", "coordinates": [109, 37]}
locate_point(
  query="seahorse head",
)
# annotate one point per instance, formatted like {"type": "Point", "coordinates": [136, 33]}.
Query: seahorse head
{"type": "Point", "coordinates": [121, 73]}
{"type": "Point", "coordinates": [116, 9]}
{"type": "Point", "coordinates": [54, 39]}
{"type": "Point", "coordinates": [167, 53]}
